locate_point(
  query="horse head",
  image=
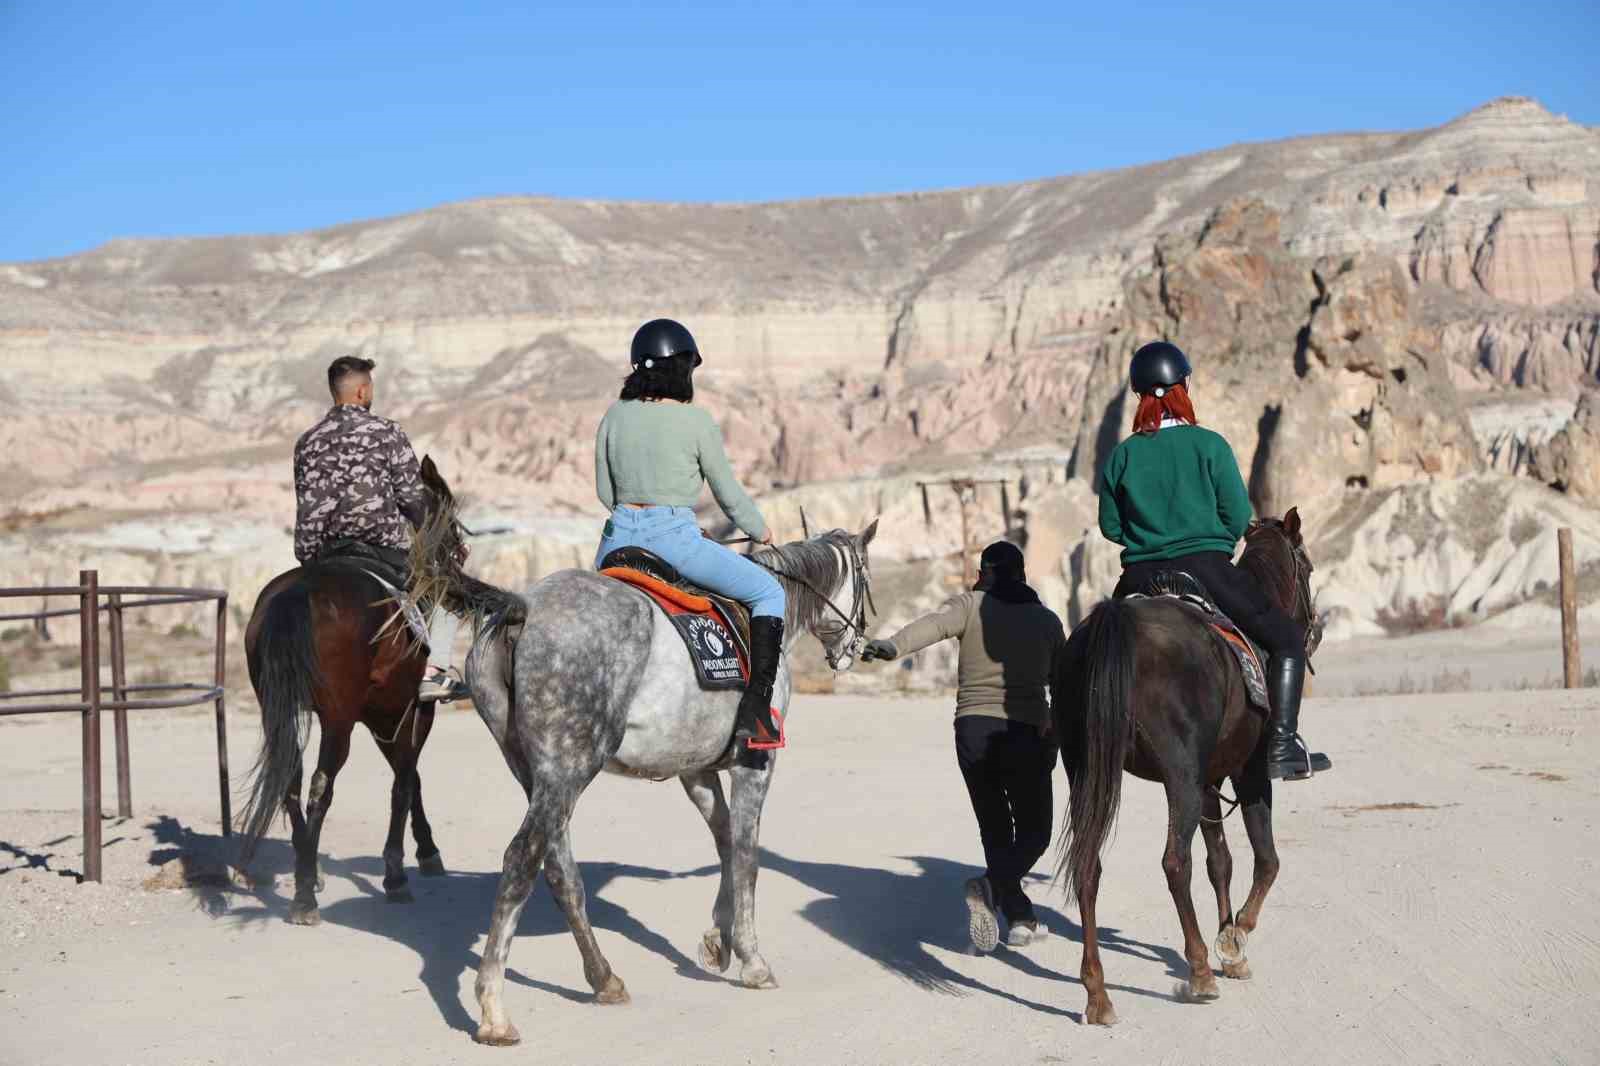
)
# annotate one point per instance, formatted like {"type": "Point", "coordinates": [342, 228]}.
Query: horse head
{"type": "Point", "coordinates": [1276, 554]}
{"type": "Point", "coordinates": [829, 585]}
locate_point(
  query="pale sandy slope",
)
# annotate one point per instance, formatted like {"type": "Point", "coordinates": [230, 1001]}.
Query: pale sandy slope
{"type": "Point", "coordinates": [1462, 930]}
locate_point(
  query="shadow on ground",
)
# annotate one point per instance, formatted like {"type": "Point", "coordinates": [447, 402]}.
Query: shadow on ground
{"type": "Point", "coordinates": [893, 918]}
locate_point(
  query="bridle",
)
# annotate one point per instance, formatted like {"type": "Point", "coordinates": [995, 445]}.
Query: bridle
{"type": "Point", "coordinates": [1304, 605]}
{"type": "Point", "coordinates": [861, 597]}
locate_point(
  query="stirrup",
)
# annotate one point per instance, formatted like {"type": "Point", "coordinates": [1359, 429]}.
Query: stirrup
{"type": "Point", "coordinates": [1307, 763]}
{"type": "Point", "coordinates": [764, 741]}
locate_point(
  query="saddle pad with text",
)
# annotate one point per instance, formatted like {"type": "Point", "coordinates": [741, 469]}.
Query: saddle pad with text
{"type": "Point", "coordinates": [720, 662]}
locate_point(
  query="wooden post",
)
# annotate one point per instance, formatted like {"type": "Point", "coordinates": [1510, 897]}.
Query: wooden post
{"type": "Point", "coordinates": [964, 491]}
{"type": "Point", "coordinates": [1571, 659]}
{"type": "Point", "coordinates": [89, 659]}
{"type": "Point", "coordinates": [222, 716]}
{"type": "Point", "coordinates": [119, 715]}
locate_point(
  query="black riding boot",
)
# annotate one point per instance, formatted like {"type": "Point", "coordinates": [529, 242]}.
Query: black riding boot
{"type": "Point", "coordinates": [1287, 757]}
{"type": "Point", "coordinates": [755, 706]}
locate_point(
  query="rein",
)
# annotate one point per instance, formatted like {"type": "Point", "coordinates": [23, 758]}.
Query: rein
{"type": "Point", "coordinates": [860, 588]}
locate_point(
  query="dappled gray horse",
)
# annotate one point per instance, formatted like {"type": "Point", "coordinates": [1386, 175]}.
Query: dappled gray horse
{"type": "Point", "coordinates": [599, 679]}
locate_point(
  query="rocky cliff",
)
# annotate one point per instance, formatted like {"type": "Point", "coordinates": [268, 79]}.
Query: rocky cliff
{"type": "Point", "coordinates": [1372, 316]}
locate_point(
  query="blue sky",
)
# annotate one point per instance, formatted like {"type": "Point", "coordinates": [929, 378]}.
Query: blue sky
{"type": "Point", "coordinates": [152, 119]}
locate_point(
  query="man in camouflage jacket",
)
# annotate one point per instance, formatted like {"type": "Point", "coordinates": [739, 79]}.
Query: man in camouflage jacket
{"type": "Point", "coordinates": [356, 478]}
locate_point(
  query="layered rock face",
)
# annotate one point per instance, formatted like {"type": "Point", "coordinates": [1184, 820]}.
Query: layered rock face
{"type": "Point", "coordinates": [1351, 303]}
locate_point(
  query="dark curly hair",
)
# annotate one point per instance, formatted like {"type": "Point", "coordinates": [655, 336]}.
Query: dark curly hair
{"type": "Point", "coordinates": [669, 379]}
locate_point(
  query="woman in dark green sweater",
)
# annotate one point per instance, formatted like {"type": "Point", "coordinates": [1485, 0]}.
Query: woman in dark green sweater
{"type": "Point", "coordinates": [1172, 496]}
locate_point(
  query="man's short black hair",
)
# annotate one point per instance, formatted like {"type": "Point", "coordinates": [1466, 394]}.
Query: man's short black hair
{"type": "Point", "coordinates": [347, 366]}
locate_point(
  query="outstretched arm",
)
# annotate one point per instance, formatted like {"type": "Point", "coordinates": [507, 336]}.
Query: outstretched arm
{"type": "Point", "coordinates": [730, 495]}
{"type": "Point", "coordinates": [950, 620]}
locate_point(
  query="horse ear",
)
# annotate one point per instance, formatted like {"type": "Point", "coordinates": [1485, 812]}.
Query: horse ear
{"type": "Point", "coordinates": [428, 469]}
{"type": "Point", "coordinates": [1291, 523]}
{"type": "Point", "coordinates": [868, 533]}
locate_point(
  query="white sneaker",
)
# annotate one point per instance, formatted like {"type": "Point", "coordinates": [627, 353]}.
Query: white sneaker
{"type": "Point", "coordinates": [982, 925]}
{"type": "Point", "coordinates": [440, 687]}
{"type": "Point", "coordinates": [1024, 934]}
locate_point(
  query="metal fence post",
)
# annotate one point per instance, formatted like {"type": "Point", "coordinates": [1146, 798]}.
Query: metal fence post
{"type": "Point", "coordinates": [119, 715]}
{"type": "Point", "coordinates": [89, 658]}
{"type": "Point", "coordinates": [222, 717]}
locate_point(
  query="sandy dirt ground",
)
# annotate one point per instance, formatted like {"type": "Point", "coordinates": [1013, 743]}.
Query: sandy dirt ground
{"type": "Point", "coordinates": [1436, 905]}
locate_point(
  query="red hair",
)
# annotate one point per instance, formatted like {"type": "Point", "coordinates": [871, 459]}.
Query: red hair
{"type": "Point", "coordinates": [1174, 403]}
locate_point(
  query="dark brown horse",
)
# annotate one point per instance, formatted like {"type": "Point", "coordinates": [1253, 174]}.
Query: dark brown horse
{"type": "Point", "coordinates": [324, 637]}
{"type": "Point", "coordinates": [1149, 689]}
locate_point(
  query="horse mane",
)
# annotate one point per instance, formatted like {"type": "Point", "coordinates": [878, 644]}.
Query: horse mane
{"type": "Point", "coordinates": [1272, 562]}
{"type": "Point", "coordinates": [436, 574]}
{"type": "Point", "coordinates": [809, 571]}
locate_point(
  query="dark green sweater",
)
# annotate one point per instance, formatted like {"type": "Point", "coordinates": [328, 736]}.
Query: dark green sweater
{"type": "Point", "coordinates": [1173, 492]}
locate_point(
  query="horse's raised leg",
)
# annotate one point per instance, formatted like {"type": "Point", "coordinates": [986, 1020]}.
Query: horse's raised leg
{"type": "Point", "coordinates": [751, 779]}
{"type": "Point", "coordinates": [1098, 1011]}
{"type": "Point", "coordinates": [1219, 866]}
{"type": "Point", "coordinates": [331, 754]}
{"type": "Point", "coordinates": [1253, 789]}
{"type": "Point", "coordinates": [566, 884]}
{"type": "Point", "coordinates": [1183, 817]}
{"type": "Point", "coordinates": [705, 792]}
{"type": "Point", "coordinates": [524, 855]}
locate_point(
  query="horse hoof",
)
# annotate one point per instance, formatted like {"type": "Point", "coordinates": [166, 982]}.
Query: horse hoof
{"type": "Point", "coordinates": [713, 957]}
{"type": "Point", "coordinates": [505, 1036]}
{"type": "Point", "coordinates": [1099, 1014]}
{"type": "Point", "coordinates": [757, 976]}
{"type": "Point", "coordinates": [1230, 944]}
{"type": "Point", "coordinates": [399, 895]}
{"type": "Point", "coordinates": [613, 992]}
{"type": "Point", "coordinates": [1238, 971]}
{"type": "Point", "coordinates": [1202, 989]}
{"type": "Point", "coordinates": [304, 914]}
{"type": "Point", "coordinates": [432, 866]}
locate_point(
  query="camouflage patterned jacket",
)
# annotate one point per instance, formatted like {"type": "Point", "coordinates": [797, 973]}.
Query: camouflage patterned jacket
{"type": "Point", "coordinates": [355, 477]}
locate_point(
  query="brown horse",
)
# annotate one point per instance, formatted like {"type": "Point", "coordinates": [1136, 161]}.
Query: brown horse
{"type": "Point", "coordinates": [1150, 689]}
{"type": "Point", "coordinates": [324, 637]}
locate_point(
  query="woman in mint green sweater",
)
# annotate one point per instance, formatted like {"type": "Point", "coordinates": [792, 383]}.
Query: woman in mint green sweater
{"type": "Point", "coordinates": [1172, 496]}
{"type": "Point", "coordinates": [652, 453]}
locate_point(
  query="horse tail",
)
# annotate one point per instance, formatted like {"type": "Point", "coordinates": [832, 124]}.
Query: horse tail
{"type": "Point", "coordinates": [1100, 738]}
{"type": "Point", "coordinates": [283, 669]}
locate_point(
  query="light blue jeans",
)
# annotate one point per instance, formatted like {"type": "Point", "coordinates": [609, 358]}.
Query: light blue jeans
{"type": "Point", "coordinates": [671, 532]}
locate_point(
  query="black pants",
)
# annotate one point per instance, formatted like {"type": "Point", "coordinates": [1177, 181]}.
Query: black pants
{"type": "Point", "coordinates": [1007, 766]}
{"type": "Point", "coordinates": [1237, 595]}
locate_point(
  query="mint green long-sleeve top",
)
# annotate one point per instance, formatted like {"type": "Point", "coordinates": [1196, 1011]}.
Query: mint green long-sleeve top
{"type": "Point", "coordinates": [660, 453]}
{"type": "Point", "coordinates": [1171, 493]}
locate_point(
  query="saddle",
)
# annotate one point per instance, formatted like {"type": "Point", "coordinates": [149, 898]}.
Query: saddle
{"type": "Point", "coordinates": [715, 629]}
{"type": "Point", "coordinates": [1184, 587]}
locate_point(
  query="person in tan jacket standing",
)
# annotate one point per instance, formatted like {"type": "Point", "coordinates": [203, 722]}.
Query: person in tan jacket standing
{"type": "Point", "coordinates": [1010, 643]}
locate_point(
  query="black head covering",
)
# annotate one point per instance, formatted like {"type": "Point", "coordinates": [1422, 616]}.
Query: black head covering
{"type": "Point", "coordinates": [1000, 574]}
{"type": "Point", "coordinates": [1157, 366]}
{"type": "Point", "coordinates": [659, 340]}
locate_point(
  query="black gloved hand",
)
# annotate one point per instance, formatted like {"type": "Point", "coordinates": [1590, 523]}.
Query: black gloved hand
{"type": "Point", "coordinates": [879, 649]}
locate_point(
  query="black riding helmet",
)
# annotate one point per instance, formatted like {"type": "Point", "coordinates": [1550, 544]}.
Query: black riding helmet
{"type": "Point", "coordinates": [1158, 365]}
{"type": "Point", "coordinates": [662, 338]}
